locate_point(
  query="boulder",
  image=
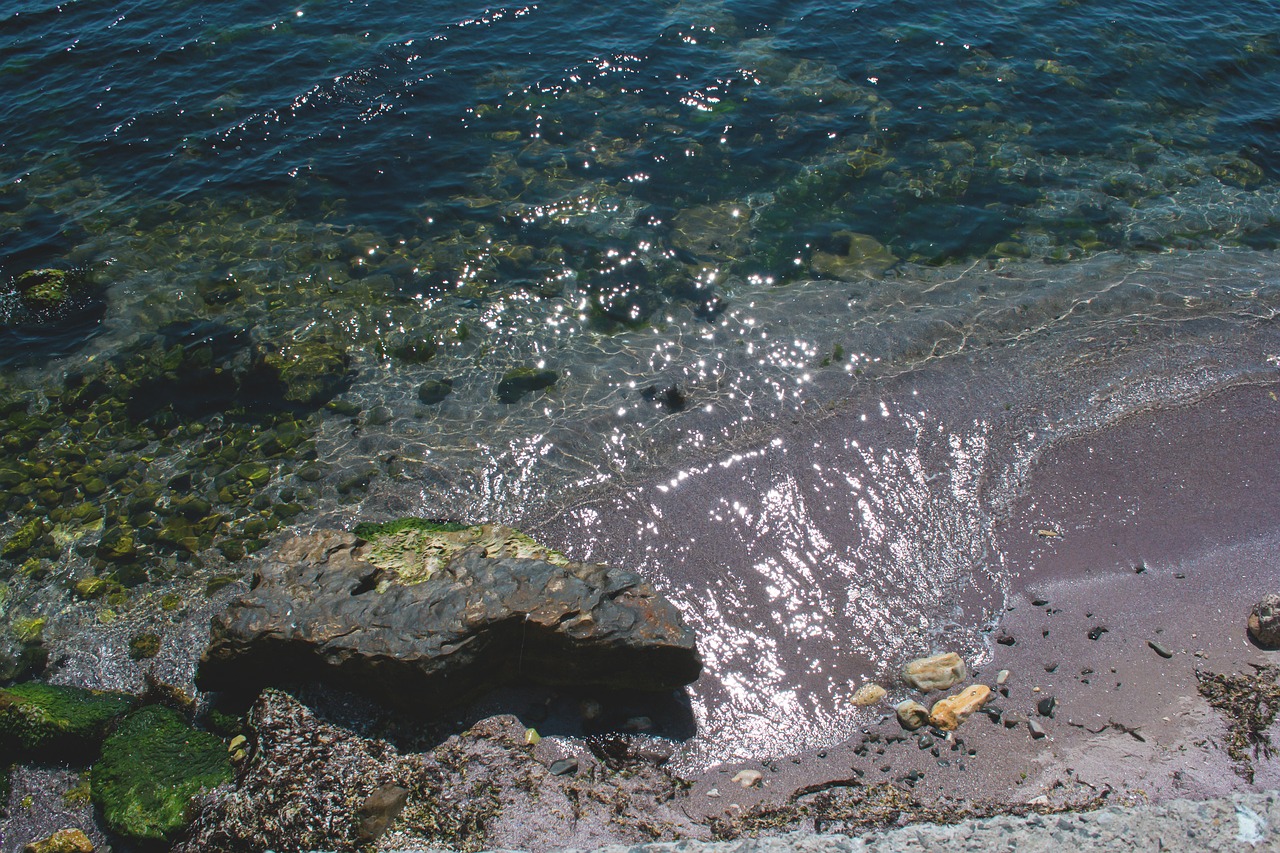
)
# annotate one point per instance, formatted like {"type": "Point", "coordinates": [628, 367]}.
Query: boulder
{"type": "Point", "coordinates": [431, 614]}
{"type": "Point", "coordinates": [934, 673]}
{"type": "Point", "coordinates": [49, 721]}
{"type": "Point", "coordinates": [150, 769]}
{"type": "Point", "coordinates": [947, 714]}
{"type": "Point", "coordinates": [1264, 622]}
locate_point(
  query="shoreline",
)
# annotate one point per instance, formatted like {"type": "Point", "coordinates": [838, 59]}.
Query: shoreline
{"type": "Point", "coordinates": [1201, 573]}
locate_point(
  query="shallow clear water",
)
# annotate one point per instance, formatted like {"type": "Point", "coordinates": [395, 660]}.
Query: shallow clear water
{"type": "Point", "coordinates": [816, 280]}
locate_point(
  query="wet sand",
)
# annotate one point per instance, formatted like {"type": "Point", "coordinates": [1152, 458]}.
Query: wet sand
{"type": "Point", "coordinates": [1163, 528]}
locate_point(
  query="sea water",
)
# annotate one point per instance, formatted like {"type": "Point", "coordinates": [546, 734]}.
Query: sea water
{"type": "Point", "coordinates": [816, 281]}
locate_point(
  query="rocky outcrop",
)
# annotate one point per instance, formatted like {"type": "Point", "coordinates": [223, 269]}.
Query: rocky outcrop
{"type": "Point", "coordinates": [430, 615]}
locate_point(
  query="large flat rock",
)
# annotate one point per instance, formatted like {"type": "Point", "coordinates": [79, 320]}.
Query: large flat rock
{"type": "Point", "coordinates": [432, 619]}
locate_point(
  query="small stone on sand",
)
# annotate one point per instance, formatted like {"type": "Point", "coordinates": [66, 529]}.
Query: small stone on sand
{"type": "Point", "coordinates": [869, 694]}
{"type": "Point", "coordinates": [1264, 621]}
{"type": "Point", "coordinates": [937, 672]}
{"type": "Point", "coordinates": [748, 778]}
{"type": "Point", "coordinates": [949, 713]}
{"type": "Point", "coordinates": [911, 714]}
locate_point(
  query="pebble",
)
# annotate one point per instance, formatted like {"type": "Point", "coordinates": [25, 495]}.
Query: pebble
{"type": "Point", "coordinates": [1002, 676]}
{"type": "Point", "coordinates": [1159, 649]}
{"type": "Point", "coordinates": [1037, 730]}
{"type": "Point", "coordinates": [937, 672]}
{"type": "Point", "coordinates": [379, 810]}
{"type": "Point", "coordinates": [1264, 621]}
{"type": "Point", "coordinates": [911, 714]}
{"type": "Point", "coordinates": [947, 714]}
{"type": "Point", "coordinates": [564, 766]}
{"type": "Point", "coordinates": [1097, 632]}
{"type": "Point", "coordinates": [748, 778]}
{"type": "Point", "coordinates": [1013, 720]}
{"type": "Point", "coordinates": [1047, 706]}
{"type": "Point", "coordinates": [869, 694]}
{"type": "Point", "coordinates": [713, 793]}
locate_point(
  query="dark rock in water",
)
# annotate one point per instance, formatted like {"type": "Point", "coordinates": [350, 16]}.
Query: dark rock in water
{"type": "Point", "coordinates": [515, 384]}
{"type": "Point", "coordinates": [434, 391]}
{"type": "Point", "coordinates": [1264, 621]}
{"type": "Point", "coordinates": [378, 811]}
{"type": "Point", "coordinates": [150, 769]}
{"type": "Point", "coordinates": [670, 398]}
{"type": "Point", "coordinates": [301, 373]}
{"type": "Point", "coordinates": [432, 615]}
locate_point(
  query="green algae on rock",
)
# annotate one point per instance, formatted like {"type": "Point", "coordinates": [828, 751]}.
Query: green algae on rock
{"type": "Point", "coordinates": [150, 769]}
{"type": "Point", "coordinates": [47, 721]}
{"type": "Point", "coordinates": [306, 373]}
{"type": "Point", "coordinates": [416, 548]}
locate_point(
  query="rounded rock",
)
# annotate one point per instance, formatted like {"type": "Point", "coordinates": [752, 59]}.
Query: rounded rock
{"type": "Point", "coordinates": [1264, 621]}
{"type": "Point", "coordinates": [869, 694]}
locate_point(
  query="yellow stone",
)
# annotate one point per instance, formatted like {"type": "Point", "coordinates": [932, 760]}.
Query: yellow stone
{"type": "Point", "coordinates": [935, 673]}
{"type": "Point", "coordinates": [869, 694]}
{"type": "Point", "coordinates": [949, 713]}
{"type": "Point", "coordinates": [62, 841]}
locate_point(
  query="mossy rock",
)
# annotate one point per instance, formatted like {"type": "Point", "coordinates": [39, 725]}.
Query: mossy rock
{"type": "Point", "coordinates": [306, 373]}
{"type": "Point", "coordinates": [51, 721]}
{"type": "Point", "coordinates": [415, 548]}
{"type": "Point", "coordinates": [150, 769]}
{"type": "Point", "coordinates": [24, 537]}
{"type": "Point", "coordinates": [45, 289]}
{"type": "Point", "coordinates": [515, 384]}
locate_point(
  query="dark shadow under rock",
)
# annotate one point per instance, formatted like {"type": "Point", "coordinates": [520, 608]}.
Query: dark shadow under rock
{"type": "Point", "coordinates": [448, 627]}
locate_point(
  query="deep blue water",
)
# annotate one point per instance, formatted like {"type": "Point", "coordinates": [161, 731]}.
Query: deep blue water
{"type": "Point", "coordinates": [712, 221]}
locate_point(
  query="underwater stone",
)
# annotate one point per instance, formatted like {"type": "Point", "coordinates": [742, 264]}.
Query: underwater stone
{"type": "Point", "coordinates": [304, 373]}
{"type": "Point", "coordinates": [44, 289]}
{"type": "Point", "coordinates": [50, 721]}
{"type": "Point", "coordinates": [24, 538]}
{"type": "Point", "coordinates": [62, 841]}
{"type": "Point", "coordinates": [322, 608]}
{"type": "Point", "coordinates": [434, 391]}
{"type": "Point", "coordinates": [517, 383]}
{"type": "Point", "coordinates": [150, 769]}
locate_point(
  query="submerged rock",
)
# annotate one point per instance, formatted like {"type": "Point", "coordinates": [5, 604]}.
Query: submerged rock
{"type": "Point", "coordinates": [1264, 621]}
{"type": "Point", "coordinates": [515, 384]}
{"type": "Point", "coordinates": [62, 841]}
{"type": "Point", "coordinates": [425, 616]}
{"type": "Point", "coordinates": [150, 769]}
{"type": "Point", "coordinates": [934, 673]}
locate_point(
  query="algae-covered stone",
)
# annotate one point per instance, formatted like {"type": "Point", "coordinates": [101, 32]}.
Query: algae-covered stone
{"type": "Point", "coordinates": [48, 720]}
{"type": "Point", "coordinates": [150, 769]}
{"type": "Point", "coordinates": [305, 373]}
{"type": "Point", "coordinates": [144, 645]}
{"type": "Point", "coordinates": [24, 538]}
{"type": "Point", "coordinates": [416, 548]}
{"type": "Point", "coordinates": [856, 256]}
{"type": "Point", "coordinates": [523, 380]}
{"type": "Point", "coordinates": [62, 841]}
{"type": "Point", "coordinates": [44, 289]}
